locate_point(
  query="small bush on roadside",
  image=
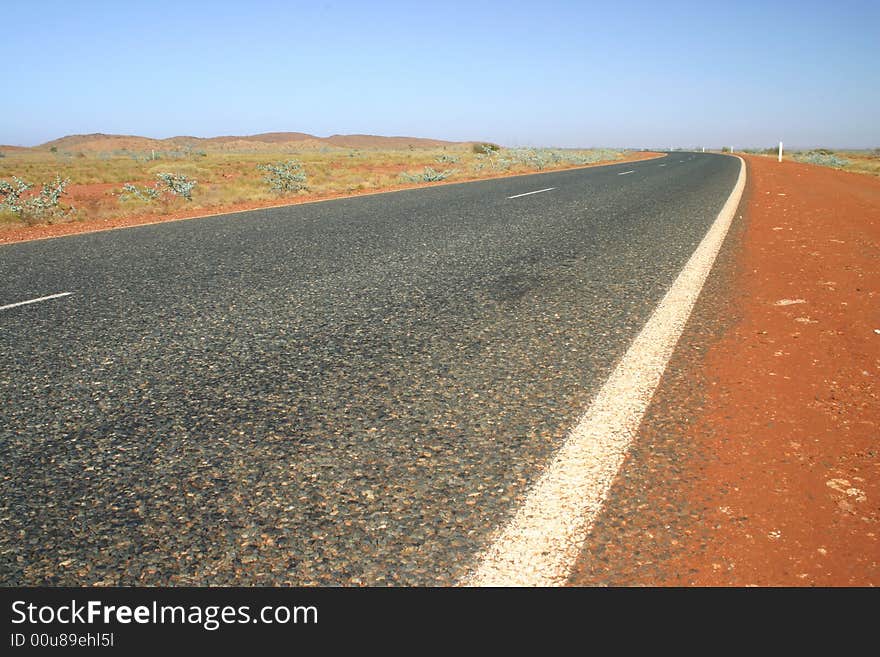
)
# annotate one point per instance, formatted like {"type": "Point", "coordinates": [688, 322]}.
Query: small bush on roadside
{"type": "Point", "coordinates": [284, 177]}
{"type": "Point", "coordinates": [533, 158]}
{"type": "Point", "coordinates": [132, 193]}
{"type": "Point", "coordinates": [593, 156]}
{"type": "Point", "coordinates": [485, 148]}
{"type": "Point", "coordinates": [45, 206]}
{"type": "Point", "coordinates": [822, 157]}
{"type": "Point", "coordinates": [447, 158]}
{"type": "Point", "coordinates": [428, 175]}
{"type": "Point", "coordinates": [178, 184]}
{"type": "Point", "coordinates": [11, 193]}
{"type": "Point", "coordinates": [540, 158]}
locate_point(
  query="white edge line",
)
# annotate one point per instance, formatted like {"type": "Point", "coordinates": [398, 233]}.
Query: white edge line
{"type": "Point", "coordinates": [29, 301]}
{"type": "Point", "coordinates": [626, 172]}
{"type": "Point", "coordinates": [530, 193]}
{"type": "Point", "coordinates": [541, 543]}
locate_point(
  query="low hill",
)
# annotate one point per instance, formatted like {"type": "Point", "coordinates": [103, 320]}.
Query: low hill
{"type": "Point", "coordinates": [100, 142]}
{"type": "Point", "coordinates": [372, 141]}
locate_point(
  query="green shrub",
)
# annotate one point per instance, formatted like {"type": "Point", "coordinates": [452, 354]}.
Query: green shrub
{"type": "Point", "coordinates": [447, 158]}
{"type": "Point", "coordinates": [284, 177]}
{"type": "Point", "coordinates": [178, 184]}
{"type": "Point", "coordinates": [485, 148]}
{"type": "Point", "coordinates": [428, 175]}
{"type": "Point", "coordinates": [823, 157]}
{"type": "Point", "coordinates": [540, 158]}
{"type": "Point", "coordinates": [133, 193]}
{"type": "Point", "coordinates": [45, 206]}
{"type": "Point", "coordinates": [11, 193]}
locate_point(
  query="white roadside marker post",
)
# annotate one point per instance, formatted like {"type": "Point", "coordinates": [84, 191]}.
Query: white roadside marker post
{"type": "Point", "coordinates": [780, 152]}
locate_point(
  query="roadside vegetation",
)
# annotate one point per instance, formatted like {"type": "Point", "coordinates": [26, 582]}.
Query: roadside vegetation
{"type": "Point", "coordinates": [860, 161]}
{"type": "Point", "coordinates": [19, 199]}
{"type": "Point", "coordinates": [51, 186]}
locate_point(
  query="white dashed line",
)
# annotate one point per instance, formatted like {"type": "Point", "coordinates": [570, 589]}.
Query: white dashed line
{"type": "Point", "coordinates": [540, 544]}
{"type": "Point", "coordinates": [24, 303]}
{"type": "Point", "coordinates": [626, 172]}
{"type": "Point", "coordinates": [530, 193]}
{"type": "Point", "coordinates": [661, 165]}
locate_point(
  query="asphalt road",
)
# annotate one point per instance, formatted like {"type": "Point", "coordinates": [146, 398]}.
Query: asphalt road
{"type": "Point", "coordinates": [347, 392]}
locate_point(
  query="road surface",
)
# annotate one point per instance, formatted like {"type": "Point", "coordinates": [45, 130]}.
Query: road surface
{"type": "Point", "coordinates": [350, 392]}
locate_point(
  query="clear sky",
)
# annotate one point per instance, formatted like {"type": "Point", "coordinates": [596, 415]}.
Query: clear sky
{"type": "Point", "coordinates": [622, 73]}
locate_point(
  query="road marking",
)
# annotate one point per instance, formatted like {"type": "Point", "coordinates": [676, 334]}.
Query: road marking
{"type": "Point", "coordinates": [530, 193]}
{"type": "Point", "coordinates": [661, 165]}
{"type": "Point", "coordinates": [626, 172]}
{"type": "Point", "coordinates": [24, 303]}
{"type": "Point", "coordinates": [540, 544]}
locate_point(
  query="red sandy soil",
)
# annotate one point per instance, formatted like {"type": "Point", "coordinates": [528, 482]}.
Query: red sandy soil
{"type": "Point", "coordinates": [88, 195]}
{"type": "Point", "coordinates": [790, 430]}
{"type": "Point", "coordinates": [758, 461]}
{"type": "Point", "coordinates": [78, 195]}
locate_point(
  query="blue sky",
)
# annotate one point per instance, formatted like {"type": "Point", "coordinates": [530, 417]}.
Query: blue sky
{"type": "Point", "coordinates": [611, 73]}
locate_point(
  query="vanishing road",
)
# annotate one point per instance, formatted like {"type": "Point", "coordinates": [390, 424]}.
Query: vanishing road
{"type": "Point", "coordinates": [349, 392]}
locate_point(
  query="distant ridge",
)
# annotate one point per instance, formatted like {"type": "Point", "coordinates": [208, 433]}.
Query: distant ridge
{"type": "Point", "coordinates": [264, 141]}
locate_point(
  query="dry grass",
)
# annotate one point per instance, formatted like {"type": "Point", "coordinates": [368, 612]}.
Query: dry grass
{"type": "Point", "coordinates": [862, 161]}
{"type": "Point", "coordinates": [229, 178]}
